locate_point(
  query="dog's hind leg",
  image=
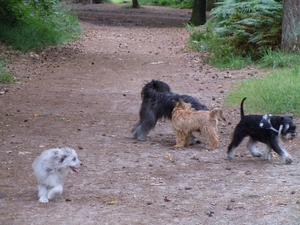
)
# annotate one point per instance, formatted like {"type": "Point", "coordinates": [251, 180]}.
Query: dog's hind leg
{"type": "Point", "coordinates": [55, 191]}
{"type": "Point", "coordinates": [236, 140]}
{"type": "Point", "coordinates": [43, 193]}
{"type": "Point", "coordinates": [140, 131]}
{"type": "Point", "coordinates": [267, 153]}
{"type": "Point", "coordinates": [134, 130]}
{"type": "Point", "coordinates": [251, 146]}
{"type": "Point", "coordinates": [190, 139]}
{"type": "Point", "coordinates": [142, 128]}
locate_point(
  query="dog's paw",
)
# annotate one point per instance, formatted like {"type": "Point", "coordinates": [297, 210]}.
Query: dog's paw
{"type": "Point", "coordinates": [141, 139]}
{"type": "Point", "coordinates": [267, 156]}
{"type": "Point", "coordinates": [230, 156]}
{"type": "Point", "coordinates": [43, 200]}
{"type": "Point", "coordinates": [177, 146]}
{"type": "Point", "coordinates": [211, 147]}
{"type": "Point", "coordinates": [256, 154]}
{"type": "Point", "coordinates": [288, 160]}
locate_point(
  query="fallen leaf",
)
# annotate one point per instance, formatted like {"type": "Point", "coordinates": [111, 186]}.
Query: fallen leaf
{"type": "Point", "coordinates": [166, 199]}
{"type": "Point", "coordinates": [112, 202]}
{"type": "Point", "coordinates": [169, 158]}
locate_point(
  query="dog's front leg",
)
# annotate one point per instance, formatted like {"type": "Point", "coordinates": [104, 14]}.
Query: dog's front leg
{"type": "Point", "coordinates": [282, 152]}
{"type": "Point", "coordinates": [213, 137]}
{"type": "Point", "coordinates": [43, 192]}
{"type": "Point", "coordinates": [180, 139]}
{"type": "Point", "coordinates": [55, 191]}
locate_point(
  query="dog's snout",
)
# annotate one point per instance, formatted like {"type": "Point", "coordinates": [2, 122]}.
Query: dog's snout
{"type": "Point", "coordinates": [81, 164]}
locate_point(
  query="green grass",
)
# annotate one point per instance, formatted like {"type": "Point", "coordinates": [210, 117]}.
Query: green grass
{"type": "Point", "coordinates": [119, 1]}
{"type": "Point", "coordinates": [279, 59]}
{"type": "Point", "coordinates": [276, 93]}
{"type": "Point", "coordinates": [228, 61]}
{"type": "Point", "coordinates": [170, 3]}
{"type": "Point", "coordinates": [5, 77]}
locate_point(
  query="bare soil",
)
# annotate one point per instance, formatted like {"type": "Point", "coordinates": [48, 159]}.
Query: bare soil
{"type": "Point", "coordinates": [86, 95]}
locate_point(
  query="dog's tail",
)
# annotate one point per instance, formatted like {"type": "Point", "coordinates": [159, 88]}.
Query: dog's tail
{"type": "Point", "coordinates": [154, 86]}
{"type": "Point", "coordinates": [242, 108]}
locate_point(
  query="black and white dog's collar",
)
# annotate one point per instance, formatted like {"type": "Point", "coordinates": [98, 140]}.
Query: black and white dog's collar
{"type": "Point", "coordinates": [265, 123]}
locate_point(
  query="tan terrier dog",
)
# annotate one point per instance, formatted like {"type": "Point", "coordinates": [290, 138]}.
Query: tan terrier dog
{"type": "Point", "coordinates": [186, 120]}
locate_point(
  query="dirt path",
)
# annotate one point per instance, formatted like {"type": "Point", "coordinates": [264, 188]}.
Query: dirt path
{"type": "Point", "coordinates": [86, 95]}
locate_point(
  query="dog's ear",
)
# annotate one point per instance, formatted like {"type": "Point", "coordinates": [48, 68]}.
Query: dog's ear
{"type": "Point", "coordinates": [174, 103]}
{"type": "Point", "coordinates": [180, 100]}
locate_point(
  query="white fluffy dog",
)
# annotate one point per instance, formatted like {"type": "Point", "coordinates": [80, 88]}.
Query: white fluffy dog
{"type": "Point", "coordinates": [51, 169]}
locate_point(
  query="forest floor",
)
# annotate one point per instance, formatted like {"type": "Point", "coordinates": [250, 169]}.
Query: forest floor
{"type": "Point", "coordinates": [86, 95]}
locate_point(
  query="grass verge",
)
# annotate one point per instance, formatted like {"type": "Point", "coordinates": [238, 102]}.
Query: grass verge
{"type": "Point", "coordinates": [275, 93]}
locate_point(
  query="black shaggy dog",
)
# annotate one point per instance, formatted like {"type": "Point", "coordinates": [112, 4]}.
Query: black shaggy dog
{"type": "Point", "coordinates": [158, 103]}
{"type": "Point", "coordinates": [267, 129]}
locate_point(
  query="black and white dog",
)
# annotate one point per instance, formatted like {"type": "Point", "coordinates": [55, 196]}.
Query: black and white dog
{"type": "Point", "coordinates": [266, 129]}
{"type": "Point", "coordinates": [158, 103]}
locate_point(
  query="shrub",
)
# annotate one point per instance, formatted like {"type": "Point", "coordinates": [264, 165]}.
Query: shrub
{"type": "Point", "coordinates": [34, 24]}
{"type": "Point", "coordinates": [243, 29]}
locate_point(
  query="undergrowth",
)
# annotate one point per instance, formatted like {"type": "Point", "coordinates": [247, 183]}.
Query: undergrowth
{"type": "Point", "coordinates": [239, 32]}
{"type": "Point", "coordinates": [32, 24]}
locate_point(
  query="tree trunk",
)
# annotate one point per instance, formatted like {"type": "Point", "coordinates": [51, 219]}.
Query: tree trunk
{"type": "Point", "coordinates": [291, 26]}
{"type": "Point", "coordinates": [210, 4]}
{"type": "Point", "coordinates": [198, 13]}
{"type": "Point", "coordinates": [135, 4]}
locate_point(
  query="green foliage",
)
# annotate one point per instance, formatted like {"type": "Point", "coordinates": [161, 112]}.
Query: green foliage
{"type": "Point", "coordinates": [34, 24]}
{"type": "Point", "coordinates": [242, 29]}
{"type": "Point", "coordinates": [202, 39]}
{"type": "Point", "coordinates": [5, 77]}
{"type": "Point", "coordinates": [279, 86]}
{"type": "Point", "coordinates": [9, 12]}
{"type": "Point", "coordinates": [188, 4]}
